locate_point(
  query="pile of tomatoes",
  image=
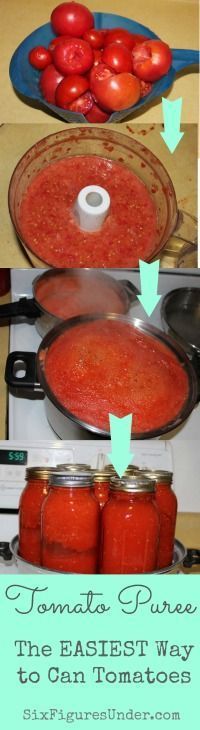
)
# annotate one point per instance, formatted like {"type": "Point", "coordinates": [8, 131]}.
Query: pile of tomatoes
{"type": "Point", "coordinates": [95, 72]}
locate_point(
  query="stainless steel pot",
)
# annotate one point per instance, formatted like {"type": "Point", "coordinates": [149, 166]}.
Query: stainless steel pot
{"type": "Point", "coordinates": [182, 558]}
{"type": "Point", "coordinates": [180, 313]}
{"type": "Point", "coordinates": [57, 414]}
{"type": "Point", "coordinates": [32, 310]}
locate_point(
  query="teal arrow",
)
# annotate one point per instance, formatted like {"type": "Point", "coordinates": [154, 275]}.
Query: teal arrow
{"type": "Point", "coordinates": [172, 120]}
{"type": "Point", "coordinates": [149, 285]}
{"type": "Point", "coordinates": [120, 431]}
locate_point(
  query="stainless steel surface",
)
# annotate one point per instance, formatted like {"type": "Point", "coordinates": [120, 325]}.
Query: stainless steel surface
{"type": "Point", "coordinates": [181, 313]}
{"type": "Point", "coordinates": [180, 553]}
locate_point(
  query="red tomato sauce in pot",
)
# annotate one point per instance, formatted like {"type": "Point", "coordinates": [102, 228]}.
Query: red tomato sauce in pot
{"type": "Point", "coordinates": [107, 366]}
{"type": "Point", "coordinates": [48, 225]}
{"type": "Point", "coordinates": [70, 296]}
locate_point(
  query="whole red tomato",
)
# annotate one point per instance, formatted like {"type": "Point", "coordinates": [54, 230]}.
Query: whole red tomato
{"type": "Point", "coordinates": [138, 38]}
{"type": "Point", "coordinates": [83, 104]}
{"type": "Point", "coordinates": [95, 37]}
{"type": "Point", "coordinates": [97, 57]}
{"type": "Point", "coordinates": [119, 35]}
{"type": "Point", "coordinates": [40, 57]}
{"type": "Point", "coordinates": [97, 115]}
{"type": "Point", "coordinates": [116, 92]}
{"type": "Point", "coordinates": [118, 58]}
{"type": "Point", "coordinates": [71, 18]}
{"type": "Point", "coordinates": [56, 41]}
{"type": "Point", "coordinates": [70, 89]}
{"type": "Point", "coordinates": [73, 56]}
{"type": "Point", "coordinates": [49, 80]}
{"type": "Point", "coordinates": [151, 60]}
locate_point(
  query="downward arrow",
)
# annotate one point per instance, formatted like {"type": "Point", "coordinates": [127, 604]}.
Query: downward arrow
{"type": "Point", "coordinates": [120, 430]}
{"type": "Point", "coordinates": [172, 120]}
{"type": "Point", "coordinates": [149, 285]}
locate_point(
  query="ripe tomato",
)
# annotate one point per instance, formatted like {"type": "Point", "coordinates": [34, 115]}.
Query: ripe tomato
{"type": "Point", "coordinates": [137, 38]}
{"type": "Point", "coordinates": [57, 41]}
{"type": "Point", "coordinates": [95, 37]}
{"type": "Point", "coordinates": [145, 88]}
{"type": "Point", "coordinates": [118, 58]}
{"type": "Point", "coordinates": [83, 104]}
{"type": "Point", "coordinates": [117, 92]}
{"type": "Point", "coordinates": [69, 89]}
{"type": "Point", "coordinates": [99, 72]}
{"type": "Point", "coordinates": [97, 57]}
{"type": "Point", "coordinates": [40, 57]}
{"type": "Point", "coordinates": [73, 18]}
{"type": "Point", "coordinates": [49, 80]}
{"type": "Point", "coordinates": [119, 35]}
{"type": "Point", "coordinates": [97, 115]}
{"type": "Point", "coordinates": [73, 56]}
{"type": "Point", "coordinates": [151, 60]}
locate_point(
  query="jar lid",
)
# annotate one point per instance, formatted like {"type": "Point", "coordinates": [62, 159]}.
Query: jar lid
{"type": "Point", "coordinates": [135, 483]}
{"type": "Point", "coordinates": [131, 468]}
{"type": "Point", "coordinates": [158, 475]}
{"type": "Point", "coordinates": [101, 476]}
{"type": "Point", "coordinates": [62, 479]}
{"type": "Point", "coordinates": [74, 467]}
{"type": "Point", "coordinates": [39, 472]}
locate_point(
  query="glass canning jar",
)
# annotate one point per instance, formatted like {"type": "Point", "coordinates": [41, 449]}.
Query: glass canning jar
{"type": "Point", "coordinates": [70, 524]}
{"type": "Point", "coordinates": [130, 527]}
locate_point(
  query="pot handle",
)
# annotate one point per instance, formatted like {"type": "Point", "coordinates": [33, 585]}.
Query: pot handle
{"type": "Point", "coordinates": [184, 58]}
{"type": "Point", "coordinates": [131, 289]}
{"type": "Point", "coordinates": [192, 558]}
{"type": "Point", "coordinates": [23, 308]}
{"type": "Point", "coordinates": [25, 362]}
{"type": "Point", "coordinates": [5, 551]}
{"type": "Point", "coordinates": [195, 361]}
{"type": "Point", "coordinates": [186, 228]}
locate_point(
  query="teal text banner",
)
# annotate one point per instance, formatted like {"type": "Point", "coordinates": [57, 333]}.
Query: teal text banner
{"type": "Point", "coordinates": [100, 652]}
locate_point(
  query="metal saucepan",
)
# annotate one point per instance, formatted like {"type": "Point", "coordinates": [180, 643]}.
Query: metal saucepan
{"type": "Point", "coordinates": [58, 415]}
{"type": "Point", "coordinates": [182, 558]}
{"type": "Point", "coordinates": [181, 315]}
{"type": "Point", "coordinates": [85, 291]}
{"type": "Point", "coordinates": [105, 143]}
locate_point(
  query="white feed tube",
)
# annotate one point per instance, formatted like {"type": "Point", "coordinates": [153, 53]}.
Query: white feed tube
{"type": "Point", "coordinates": [91, 207]}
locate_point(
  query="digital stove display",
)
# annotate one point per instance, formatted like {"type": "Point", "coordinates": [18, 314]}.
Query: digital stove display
{"type": "Point", "coordinates": [13, 457]}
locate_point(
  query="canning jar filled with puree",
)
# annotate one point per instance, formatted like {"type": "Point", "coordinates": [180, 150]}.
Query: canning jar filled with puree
{"type": "Point", "coordinates": [70, 524]}
{"type": "Point", "coordinates": [32, 497]}
{"type": "Point", "coordinates": [130, 527]}
{"type": "Point", "coordinates": [167, 506]}
{"type": "Point", "coordinates": [101, 486]}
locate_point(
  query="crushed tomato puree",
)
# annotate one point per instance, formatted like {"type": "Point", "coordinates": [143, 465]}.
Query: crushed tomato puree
{"type": "Point", "coordinates": [48, 225]}
{"type": "Point", "coordinates": [107, 366]}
